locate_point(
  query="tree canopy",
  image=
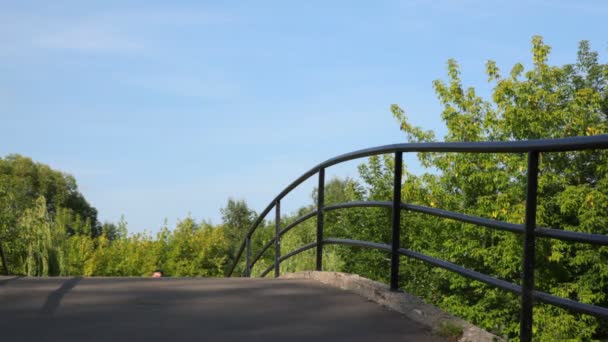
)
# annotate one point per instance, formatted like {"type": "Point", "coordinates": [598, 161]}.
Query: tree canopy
{"type": "Point", "coordinates": [545, 101]}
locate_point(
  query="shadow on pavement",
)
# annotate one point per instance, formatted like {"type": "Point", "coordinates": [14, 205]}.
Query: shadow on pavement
{"type": "Point", "coordinates": [54, 299]}
{"type": "Point", "coordinates": [7, 280]}
{"type": "Point", "coordinates": [198, 309]}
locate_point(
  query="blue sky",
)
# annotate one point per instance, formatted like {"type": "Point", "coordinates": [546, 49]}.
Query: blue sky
{"type": "Point", "coordinates": [162, 109]}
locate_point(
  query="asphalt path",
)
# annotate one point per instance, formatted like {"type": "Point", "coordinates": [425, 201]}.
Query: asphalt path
{"type": "Point", "coordinates": [193, 309]}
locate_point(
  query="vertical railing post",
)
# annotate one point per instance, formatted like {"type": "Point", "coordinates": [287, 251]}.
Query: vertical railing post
{"type": "Point", "coordinates": [396, 222]}
{"type": "Point", "coordinates": [248, 257]}
{"type": "Point", "coordinates": [277, 238]}
{"type": "Point", "coordinates": [320, 205]}
{"type": "Point", "coordinates": [525, 324]}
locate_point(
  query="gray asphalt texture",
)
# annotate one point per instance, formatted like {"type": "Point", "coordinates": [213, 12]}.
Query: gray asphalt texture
{"type": "Point", "coordinates": [193, 309]}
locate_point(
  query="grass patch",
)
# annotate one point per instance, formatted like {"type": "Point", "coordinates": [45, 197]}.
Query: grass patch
{"type": "Point", "coordinates": [450, 330]}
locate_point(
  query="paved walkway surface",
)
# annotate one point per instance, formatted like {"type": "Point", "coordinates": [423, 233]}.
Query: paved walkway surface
{"type": "Point", "coordinates": [193, 309]}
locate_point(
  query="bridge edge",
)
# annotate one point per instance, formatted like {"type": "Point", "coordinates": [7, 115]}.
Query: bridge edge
{"type": "Point", "coordinates": [410, 306]}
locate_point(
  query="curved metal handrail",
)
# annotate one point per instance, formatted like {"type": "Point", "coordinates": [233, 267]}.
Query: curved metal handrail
{"type": "Point", "coordinates": [528, 230]}
{"type": "Point", "coordinates": [522, 146]}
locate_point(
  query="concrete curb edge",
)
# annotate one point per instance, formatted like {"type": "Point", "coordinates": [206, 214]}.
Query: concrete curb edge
{"type": "Point", "coordinates": [410, 306]}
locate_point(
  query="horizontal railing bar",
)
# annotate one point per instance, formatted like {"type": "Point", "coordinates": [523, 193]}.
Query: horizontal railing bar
{"type": "Point", "coordinates": [285, 230]}
{"type": "Point", "coordinates": [266, 271]}
{"type": "Point", "coordinates": [596, 239]}
{"type": "Point", "coordinates": [261, 252]}
{"type": "Point", "coordinates": [289, 255]}
{"type": "Point", "coordinates": [298, 251]}
{"type": "Point", "coordinates": [519, 146]}
{"type": "Point", "coordinates": [358, 204]}
{"type": "Point", "coordinates": [297, 222]}
{"type": "Point", "coordinates": [357, 243]}
{"type": "Point", "coordinates": [433, 261]}
{"type": "Point", "coordinates": [542, 296]}
{"type": "Point", "coordinates": [505, 285]}
{"type": "Point", "coordinates": [572, 305]}
{"type": "Point", "coordinates": [510, 227]}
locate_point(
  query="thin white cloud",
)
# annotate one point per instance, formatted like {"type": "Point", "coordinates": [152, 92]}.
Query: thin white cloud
{"type": "Point", "coordinates": [185, 85]}
{"type": "Point", "coordinates": [583, 6]}
{"type": "Point", "coordinates": [124, 30]}
{"type": "Point", "coordinates": [88, 39]}
{"type": "Point", "coordinates": [471, 7]}
{"type": "Point", "coordinates": [165, 17]}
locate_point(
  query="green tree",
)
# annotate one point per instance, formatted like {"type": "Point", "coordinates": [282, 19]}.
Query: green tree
{"type": "Point", "coordinates": [544, 102]}
{"type": "Point", "coordinates": [35, 229]}
{"type": "Point", "coordinates": [197, 250]}
{"type": "Point", "coordinates": [237, 219]}
{"type": "Point", "coordinates": [24, 186]}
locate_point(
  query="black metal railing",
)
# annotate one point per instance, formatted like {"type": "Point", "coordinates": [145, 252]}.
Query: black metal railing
{"type": "Point", "coordinates": [529, 229]}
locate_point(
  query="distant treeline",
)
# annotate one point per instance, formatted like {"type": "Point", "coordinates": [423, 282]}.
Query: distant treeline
{"type": "Point", "coordinates": [48, 228]}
